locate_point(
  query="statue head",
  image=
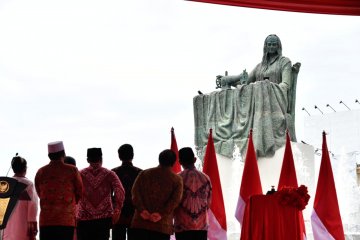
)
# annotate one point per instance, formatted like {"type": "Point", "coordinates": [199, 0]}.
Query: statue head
{"type": "Point", "coordinates": [272, 45]}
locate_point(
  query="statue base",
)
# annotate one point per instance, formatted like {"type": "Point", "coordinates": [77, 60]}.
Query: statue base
{"type": "Point", "coordinates": [269, 167]}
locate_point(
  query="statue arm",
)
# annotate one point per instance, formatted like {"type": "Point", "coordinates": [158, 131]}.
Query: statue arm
{"type": "Point", "coordinates": [286, 71]}
{"type": "Point", "coordinates": [225, 82]}
{"type": "Point", "coordinates": [252, 77]}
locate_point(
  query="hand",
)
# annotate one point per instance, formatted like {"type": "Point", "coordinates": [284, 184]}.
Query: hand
{"type": "Point", "coordinates": [32, 230]}
{"type": "Point", "coordinates": [155, 217]}
{"type": "Point", "coordinates": [145, 214]}
{"type": "Point", "coordinates": [115, 216]}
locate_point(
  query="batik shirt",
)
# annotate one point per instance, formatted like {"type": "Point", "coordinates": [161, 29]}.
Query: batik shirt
{"type": "Point", "coordinates": [159, 190]}
{"type": "Point", "coordinates": [99, 185]}
{"type": "Point", "coordinates": [192, 213]}
{"type": "Point", "coordinates": [59, 187]}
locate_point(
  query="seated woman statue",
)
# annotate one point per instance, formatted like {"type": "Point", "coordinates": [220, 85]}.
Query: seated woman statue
{"type": "Point", "coordinates": [273, 67]}
{"type": "Point", "coordinates": [263, 100]}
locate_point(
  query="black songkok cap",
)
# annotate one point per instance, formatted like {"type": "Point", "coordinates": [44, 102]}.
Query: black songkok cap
{"type": "Point", "coordinates": [94, 153]}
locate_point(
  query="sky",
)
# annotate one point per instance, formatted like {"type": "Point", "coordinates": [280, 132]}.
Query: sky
{"type": "Point", "coordinates": [103, 73]}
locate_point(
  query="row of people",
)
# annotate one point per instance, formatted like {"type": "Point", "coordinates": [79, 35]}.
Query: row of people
{"type": "Point", "coordinates": [86, 204]}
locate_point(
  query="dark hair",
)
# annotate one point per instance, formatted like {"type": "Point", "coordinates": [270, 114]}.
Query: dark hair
{"type": "Point", "coordinates": [126, 152]}
{"type": "Point", "coordinates": [186, 156]}
{"type": "Point", "coordinates": [94, 155]}
{"type": "Point", "coordinates": [167, 158]}
{"type": "Point", "coordinates": [70, 160]}
{"type": "Point", "coordinates": [18, 164]}
{"type": "Point", "coordinates": [56, 155]}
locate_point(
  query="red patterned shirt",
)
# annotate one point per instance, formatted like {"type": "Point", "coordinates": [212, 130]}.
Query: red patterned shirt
{"type": "Point", "coordinates": [192, 213]}
{"type": "Point", "coordinates": [99, 185]}
{"type": "Point", "coordinates": [59, 188]}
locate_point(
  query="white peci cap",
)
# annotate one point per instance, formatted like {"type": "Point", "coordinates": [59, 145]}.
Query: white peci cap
{"type": "Point", "coordinates": [54, 147]}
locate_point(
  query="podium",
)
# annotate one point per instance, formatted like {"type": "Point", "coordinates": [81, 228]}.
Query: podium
{"type": "Point", "coordinates": [10, 190]}
{"type": "Point", "coordinates": [265, 218]}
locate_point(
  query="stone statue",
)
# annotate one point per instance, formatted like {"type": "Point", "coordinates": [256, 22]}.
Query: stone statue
{"type": "Point", "coordinates": [263, 100]}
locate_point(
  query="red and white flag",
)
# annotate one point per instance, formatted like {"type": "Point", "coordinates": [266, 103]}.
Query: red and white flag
{"type": "Point", "coordinates": [288, 172]}
{"type": "Point", "coordinates": [288, 176]}
{"type": "Point", "coordinates": [177, 167]}
{"type": "Point", "coordinates": [217, 217]}
{"type": "Point", "coordinates": [325, 218]}
{"type": "Point", "coordinates": [250, 183]}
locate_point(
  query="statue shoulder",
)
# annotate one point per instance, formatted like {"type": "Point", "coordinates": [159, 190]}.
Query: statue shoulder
{"type": "Point", "coordinates": [284, 60]}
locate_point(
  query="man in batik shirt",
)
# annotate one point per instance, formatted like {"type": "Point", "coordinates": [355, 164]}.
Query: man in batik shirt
{"type": "Point", "coordinates": [191, 217]}
{"type": "Point", "coordinates": [156, 193]}
{"type": "Point", "coordinates": [59, 187]}
{"type": "Point", "coordinates": [96, 211]}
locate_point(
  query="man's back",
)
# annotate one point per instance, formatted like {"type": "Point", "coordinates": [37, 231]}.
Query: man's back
{"type": "Point", "coordinates": [99, 184]}
{"type": "Point", "coordinates": [127, 174]}
{"type": "Point", "coordinates": [192, 211]}
{"type": "Point", "coordinates": [59, 187]}
{"type": "Point", "coordinates": [156, 190]}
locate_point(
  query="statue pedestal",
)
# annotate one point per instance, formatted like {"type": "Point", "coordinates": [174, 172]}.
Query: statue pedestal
{"type": "Point", "coordinates": [269, 168]}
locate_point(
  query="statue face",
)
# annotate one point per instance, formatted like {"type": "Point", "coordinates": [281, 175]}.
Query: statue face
{"type": "Point", "coordinates": [272, 45]}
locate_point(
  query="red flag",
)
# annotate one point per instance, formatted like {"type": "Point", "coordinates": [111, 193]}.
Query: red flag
{"type": "Point", "coordinates": [217, 217]}
{"type": "Point", "coordinates": [250, 183]}
{"type": "Point", "coordinates": [325, 219]}
{"type": "Point", "coordinates": [288, 176]}
{"type": "Point", "coordinates": [177, 167]}
{"type": "Point", "coordinates": [288, 173]}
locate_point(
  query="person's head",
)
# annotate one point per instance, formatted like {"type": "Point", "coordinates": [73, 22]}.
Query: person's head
{"type": "Point", "coordinates": [186, 157]}
{"type": "Point", "coordinates": [70, 160]}
{"type": "Point", "coordinates": [126, 152]}
{"type": "Point", "coordinates": [167, 158]}
{"type": "Point", "coordinates": [272, 45]}
{"type": "Point", "coordinates": [56, 150]}
{"type": "Point", "coordinates": [94, 155]}
{"type": "Point", "coordinates": [19, 165]}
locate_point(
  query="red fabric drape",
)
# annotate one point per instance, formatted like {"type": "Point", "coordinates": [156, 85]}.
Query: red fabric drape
{"type": "Point", "coordinates": [266, 219]}
{"type": "Point", "coordinates": [338, 7]}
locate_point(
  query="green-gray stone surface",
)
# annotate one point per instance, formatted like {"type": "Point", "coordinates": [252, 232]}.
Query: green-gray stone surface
{"type": "Point", "coordinates": [266, 104]}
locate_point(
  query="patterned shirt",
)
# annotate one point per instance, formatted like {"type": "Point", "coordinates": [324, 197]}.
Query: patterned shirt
{"type": "Point", "coordinates": [99, 185]}
{"type": "Point", "coordinates": [192, 213]}
{"type": "Point", "coordinates": [127, 174]}
{"type": "Point", "coordinates": [156, 190]}
{"type": "Point", "coordinates": [59, 187]}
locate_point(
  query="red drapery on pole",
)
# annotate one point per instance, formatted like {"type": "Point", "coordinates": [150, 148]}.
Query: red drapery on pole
{"type": "Point", "coordinates": [337, 7]}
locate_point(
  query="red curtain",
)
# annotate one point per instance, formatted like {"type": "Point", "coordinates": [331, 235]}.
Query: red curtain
{"type": "Point", "coordinates": [339, 7]}
{"type": "Point", "coordinates": [266, 219]}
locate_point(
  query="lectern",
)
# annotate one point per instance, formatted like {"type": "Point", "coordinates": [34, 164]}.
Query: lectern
{"type": "Point", "coordinates": [10, 190]}
{"type": "Point", "coordinates": [277, 216]}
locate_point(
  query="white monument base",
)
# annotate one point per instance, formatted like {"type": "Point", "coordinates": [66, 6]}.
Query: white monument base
{"type": "Point", "coordinates": [231, 174]}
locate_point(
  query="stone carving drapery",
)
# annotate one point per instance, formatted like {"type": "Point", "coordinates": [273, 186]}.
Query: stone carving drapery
{"type": "Point", "coordinates": [231, 113]}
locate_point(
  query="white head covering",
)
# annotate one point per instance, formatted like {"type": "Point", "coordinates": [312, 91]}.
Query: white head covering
{"type": "Point", "coordinates": [54, 147]}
